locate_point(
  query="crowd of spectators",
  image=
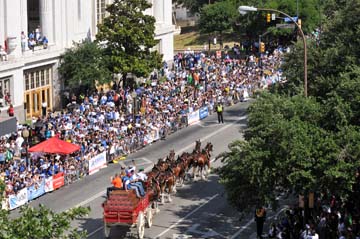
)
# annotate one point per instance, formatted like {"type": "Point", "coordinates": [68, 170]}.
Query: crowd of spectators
{"type": "Point", "coordinates": [330, 218]}
{"type": "Point", "coordinates": [122, 120]}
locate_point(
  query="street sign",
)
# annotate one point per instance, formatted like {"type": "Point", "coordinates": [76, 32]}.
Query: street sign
{"type": "Point", "coordinates": [273, 17]}
{"type": "Point", "coordinates": [287, 19]}
{"type": "Point", "coordinates": [287, 26]}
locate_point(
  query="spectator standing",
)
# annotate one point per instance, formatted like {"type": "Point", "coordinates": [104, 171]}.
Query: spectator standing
{"type": "Point", "coordinates": [11, 110]}
{"type": "Point", "coordinates": [260, 216]}
{"type": "Point", "coordinates": [23, 41]}
{"type": "Point", "coordinates": [37, 34]}
{"type": "Point", "coordinates": [44, 107]}
{"type": "Point", "coordinates": [219, 110]}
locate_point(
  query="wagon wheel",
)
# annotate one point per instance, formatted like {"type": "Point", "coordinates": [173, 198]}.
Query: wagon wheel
{"type": "Point", "coordinates": [106, 230]}
{"type": "Point", "coordinates": [149, 217]}
{"type": "Point", "coordinates": [141, 225]}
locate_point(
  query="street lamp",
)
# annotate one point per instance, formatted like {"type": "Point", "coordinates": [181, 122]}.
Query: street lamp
{"type": "Point", "coordinates": [25, 135]}
{"type": "Point", "coordinates": [245, 9]}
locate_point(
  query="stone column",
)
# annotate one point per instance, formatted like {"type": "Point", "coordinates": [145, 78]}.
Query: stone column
{"type": "Point", "coordinates": [12, 27]}
{"type": "Point", "coordinates": [159, 11]}
{"type": "Point", "coordinates": [167, 12]}
{"type": "Point", "coordinates": [2, 22]}
{"type": "Point", "coordinates": [46, 19]}
{"type": "Point", "coordinates": [24, 16]}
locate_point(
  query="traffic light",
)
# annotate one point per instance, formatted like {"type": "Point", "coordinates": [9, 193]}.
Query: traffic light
{"type": "Point", "coordinates": [262, 47]}
{"type": "Point", "coordinates": [268, 18]}
{"type": "Point", "coordinates": [299, 23]}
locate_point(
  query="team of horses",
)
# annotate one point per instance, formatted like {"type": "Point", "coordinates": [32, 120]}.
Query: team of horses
{"type": "Point", "coordinates": [169, 172]}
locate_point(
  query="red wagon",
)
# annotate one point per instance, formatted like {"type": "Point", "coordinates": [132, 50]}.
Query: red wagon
{"type": "Point", "coordinates": [124, 208]}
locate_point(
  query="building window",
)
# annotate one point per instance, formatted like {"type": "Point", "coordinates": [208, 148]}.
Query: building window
{"type": "Point", "coordinates": [32, 81]}
{"type": "Point", "coordinates": [27, 81]}
{"type": "Point", "coordinates": [47, 76]}
{"type": "Point", "coordinates": [100, 10]}
{"type": "Point", "coordinates": [37, 74]}
{"type": "Point", "coordinates": [37, 78]}
{"type": "Point", "coordinates": [4, 87]}
{"type": "Point", "coordinates": [42, 77]}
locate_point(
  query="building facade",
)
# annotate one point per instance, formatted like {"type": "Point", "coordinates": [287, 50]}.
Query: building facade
{"type": "Point", "coordinates": [29, 78]}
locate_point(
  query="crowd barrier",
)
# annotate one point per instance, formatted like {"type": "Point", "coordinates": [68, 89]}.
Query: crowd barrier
{"type": "Point", "coordinates": [30, 193]}
{"type": "Point", "coordinates": [95, 163]}
{"type": "Point", "coordinates": [198, 115]}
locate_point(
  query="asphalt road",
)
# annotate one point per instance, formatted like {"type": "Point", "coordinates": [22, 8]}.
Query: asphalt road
{"type": "Point", "coordinates": [199, 209]}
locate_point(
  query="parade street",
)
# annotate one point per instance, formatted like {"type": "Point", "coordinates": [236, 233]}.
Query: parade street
{"type": "Point", "coordinates": [198, 210]}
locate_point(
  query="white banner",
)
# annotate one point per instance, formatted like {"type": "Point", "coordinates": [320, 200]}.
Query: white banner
{"type": "Point", "coordinates": [49, 185]}
{"type": "Point", "coordinates": [97, 162]}
{"type": "Point", "coordinates": [148, 139]}
{"type": "Point", "coordinates": [19, 199]}
{"type": "Point", "coordinates": [193, 117]}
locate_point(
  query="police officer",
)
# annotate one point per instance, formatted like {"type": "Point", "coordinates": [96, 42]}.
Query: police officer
{"type": "Point", "coordinates": [219, 110]}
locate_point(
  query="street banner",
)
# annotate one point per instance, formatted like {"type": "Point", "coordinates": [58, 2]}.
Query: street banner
{"type": "Point", "coordinates": [203, 112]}
{"type": "Point", "coordinates": [49, 185]}
{"type": "Point", "coordinates": [148, 139]}
{"type": "Point", "coordinates": [97, 162]}
{"type": "Point", "coordinates": [193, 117]}
{"type": "Point", "coordinates": [19, 199]}
{"type": "Point", "coordinates": [36, 190]}
{"type": "Point", "coordinates": [58, 180]}
{"type": "Point", "coordinates": [155, 134]}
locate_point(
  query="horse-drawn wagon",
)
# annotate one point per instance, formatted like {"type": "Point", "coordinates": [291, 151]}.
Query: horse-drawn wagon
{"type": "Point", "coordinates": [124, 208]}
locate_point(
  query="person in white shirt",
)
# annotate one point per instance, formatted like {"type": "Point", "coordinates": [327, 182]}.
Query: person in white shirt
{"type": "Point", "coordinates": [141, 175]}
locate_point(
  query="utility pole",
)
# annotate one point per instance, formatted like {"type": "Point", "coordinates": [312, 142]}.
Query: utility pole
{"type": "Point", "coordinates": [297, 8]}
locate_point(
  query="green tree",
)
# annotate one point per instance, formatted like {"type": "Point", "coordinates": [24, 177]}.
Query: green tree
{"type": "Point", "coordinates": [128, 37]}
{"type": "Point", "coordinates": [40, 223]}
{"type": "Point", "coordinates": [83, 66]}
{"type": "Point", "coordinates": [287, 151]}
{"type": "Point", "coordinates": [302, 144]}
{"type": "Point", "coordinates": [194, 6]}
{"type": "Point", "coordinates": [254, 24]}
{"type": "Point", "coordinates": [218, 17]}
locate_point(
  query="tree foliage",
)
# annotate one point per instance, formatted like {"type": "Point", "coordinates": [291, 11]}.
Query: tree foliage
{"type": "Point", "coordinates": [194, 6]}
{"type": "Point", "coordinates": [84, 65]}
{"type": "Point", "coordinates": [128, 37]}
{"type": "Point", "coordinates": [34, 223]}
{"type": "Point", "coordinates": [217, 17]}
{"type": "Point", "coordinates": [298, 144]}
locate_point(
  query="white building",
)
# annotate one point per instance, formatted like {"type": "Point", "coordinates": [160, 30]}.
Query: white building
{"type": "Point", "coordinates": [31, 77]}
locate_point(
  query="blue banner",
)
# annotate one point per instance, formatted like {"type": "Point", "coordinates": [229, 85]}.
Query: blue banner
{"type": "Point", "coordinates": [203, 112]}
{"type": "Point", "coordinates": [36, 190]}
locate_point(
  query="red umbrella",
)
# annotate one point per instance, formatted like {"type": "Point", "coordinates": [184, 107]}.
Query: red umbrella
{"type": "Point", "coordinates": [55, 146]}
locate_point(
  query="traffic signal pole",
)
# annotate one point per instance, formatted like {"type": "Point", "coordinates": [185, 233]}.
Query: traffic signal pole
{"type": "Point", "coordinates": [303, 38]}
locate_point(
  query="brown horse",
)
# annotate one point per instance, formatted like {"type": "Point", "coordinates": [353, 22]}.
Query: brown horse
{"type": "Point", "coordinates": [153, 188]}
{"type": "Point", "coordinates": [164, 175]}
{"type": "Point", "coordinates": [178, 168]}
{"type": "Point", "coordinates": [202, 160]}
{"type": "Point", "coordinates": [167, 182]}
